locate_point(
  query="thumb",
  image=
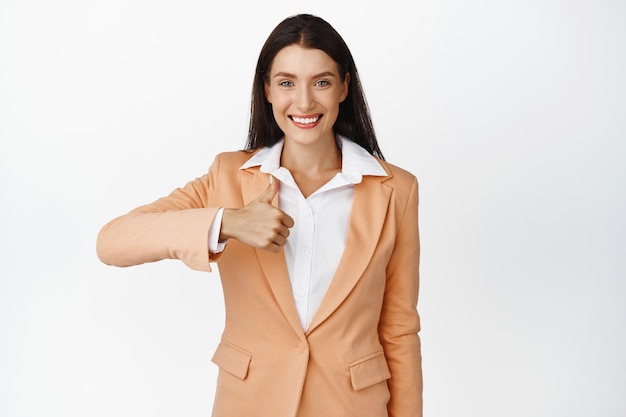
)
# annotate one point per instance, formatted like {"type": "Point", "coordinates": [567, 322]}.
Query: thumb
{"type": "Point", "coordinates": [270, 192]}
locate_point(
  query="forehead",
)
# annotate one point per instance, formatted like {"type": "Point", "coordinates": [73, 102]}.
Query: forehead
{"type": "Point", "coordinates": [297, 60]}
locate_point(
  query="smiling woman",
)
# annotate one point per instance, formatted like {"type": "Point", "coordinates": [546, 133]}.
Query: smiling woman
{"type": "Point", "coordinates": [316, 238]}
{"type": "Point", "coordinates": [305, 89]}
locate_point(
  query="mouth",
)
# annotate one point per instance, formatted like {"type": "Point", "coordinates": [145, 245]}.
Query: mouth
{"type": "Point", "coordinates": [306, 121]}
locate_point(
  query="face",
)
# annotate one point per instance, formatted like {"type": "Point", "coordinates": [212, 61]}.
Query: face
{"type": "Point", "coordinates": [305, 88]}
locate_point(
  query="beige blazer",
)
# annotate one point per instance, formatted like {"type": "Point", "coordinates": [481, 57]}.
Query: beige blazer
{"type": "Point", "coordinates": [360, 357]}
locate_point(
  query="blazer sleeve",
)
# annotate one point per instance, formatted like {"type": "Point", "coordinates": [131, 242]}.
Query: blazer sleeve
{"type": "Point", "coordinates": [399, 324]}
{"type": "Point", "coordinates": [172, 227]}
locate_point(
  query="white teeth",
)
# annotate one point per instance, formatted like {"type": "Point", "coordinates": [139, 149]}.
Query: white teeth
{"type": "Point", "coordinates": [305, 120]}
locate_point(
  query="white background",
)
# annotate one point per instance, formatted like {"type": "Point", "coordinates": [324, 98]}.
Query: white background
{"type": "Point", "coordinates": [511, 113]}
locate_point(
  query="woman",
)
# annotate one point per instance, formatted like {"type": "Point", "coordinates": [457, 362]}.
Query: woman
{"type": "Point", "coordinates": [316, 238]}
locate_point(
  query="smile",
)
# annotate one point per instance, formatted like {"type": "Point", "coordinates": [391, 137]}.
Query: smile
{"type": "Point", "coordinates": [305, 120]}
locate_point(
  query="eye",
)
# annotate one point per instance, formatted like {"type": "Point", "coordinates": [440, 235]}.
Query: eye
{"type": "Point", "coordinates": [285, 83]}
{"type": "Point", "coordinates": [322, 83]}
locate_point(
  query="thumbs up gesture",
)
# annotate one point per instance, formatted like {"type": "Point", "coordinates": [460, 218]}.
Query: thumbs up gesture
{"type": "Point", "coordinates": [258, 224]}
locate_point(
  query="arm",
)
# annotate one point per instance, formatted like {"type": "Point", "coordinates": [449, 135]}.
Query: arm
{"type": "Point", "coordinates": [173, 227]}
{"type": "Point", "coordinates": [399, 323]}
{"type": "Point", "coordinates": [177, 226]}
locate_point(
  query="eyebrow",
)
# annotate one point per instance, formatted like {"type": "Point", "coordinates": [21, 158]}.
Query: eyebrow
{"type": "Point", "coordinates": [289, 75]}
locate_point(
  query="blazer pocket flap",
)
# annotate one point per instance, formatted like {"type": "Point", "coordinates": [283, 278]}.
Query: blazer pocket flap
{"type": "Point", "coordinates": [232, 359]}
{"type": "Point", "coordinates": [369, 371]}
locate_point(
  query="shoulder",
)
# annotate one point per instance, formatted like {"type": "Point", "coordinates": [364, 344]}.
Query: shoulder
{"type": "Point", "coordinates": [234, 158]}
{"type": "Point", "coordinates": [230, 162]}
{"type": "Point", "coordinates": [398, 175]}
{"type": "Point", "coordinates": [404, 187]}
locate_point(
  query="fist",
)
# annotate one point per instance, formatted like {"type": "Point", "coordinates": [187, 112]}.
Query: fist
{"type": "Point", "coordinates": [258, 224]}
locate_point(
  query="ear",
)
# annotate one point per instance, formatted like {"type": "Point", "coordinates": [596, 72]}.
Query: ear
{"type": "Point", "coordinates": [346, 83]}
{"type": "Point", "coordinates": [266, 89]}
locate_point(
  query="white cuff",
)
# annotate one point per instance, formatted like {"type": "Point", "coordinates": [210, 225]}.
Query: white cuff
{"type": "Point", "coordinates": [215, 246]}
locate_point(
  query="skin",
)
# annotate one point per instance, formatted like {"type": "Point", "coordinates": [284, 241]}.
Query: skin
{"type": "Point", "coordinates": [305, 90]}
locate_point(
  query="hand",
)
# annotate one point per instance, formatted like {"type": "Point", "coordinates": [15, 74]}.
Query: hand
{"type": "Point", "coordinates": [259, 224]}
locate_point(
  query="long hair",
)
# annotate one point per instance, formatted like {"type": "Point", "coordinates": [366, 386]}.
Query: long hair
{"type": "Point", "coordinates": [354, 120]}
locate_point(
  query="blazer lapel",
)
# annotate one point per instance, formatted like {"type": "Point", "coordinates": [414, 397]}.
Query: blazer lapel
{"type": "Point", "coordinates": [369, 209]}
{"type": "Point", "coordinates": [273, 264]}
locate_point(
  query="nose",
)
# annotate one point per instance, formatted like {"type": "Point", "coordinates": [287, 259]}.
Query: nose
{"type": "Point", "coordinates": [304, 98]}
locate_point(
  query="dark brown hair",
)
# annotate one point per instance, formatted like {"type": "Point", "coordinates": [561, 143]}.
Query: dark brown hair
{"type": "Point", "coordinates": [354, 120]}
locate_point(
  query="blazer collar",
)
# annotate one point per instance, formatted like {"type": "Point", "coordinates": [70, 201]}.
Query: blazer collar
{"type": "Point", "coordinates": [274, 267]}
{"type": "Point", "coordinates": [369, 210]}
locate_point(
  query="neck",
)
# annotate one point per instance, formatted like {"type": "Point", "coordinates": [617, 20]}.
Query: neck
{"type": "Point", "coordinates": [311, 159]}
